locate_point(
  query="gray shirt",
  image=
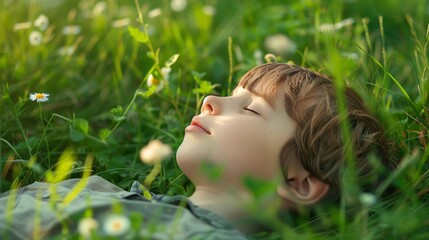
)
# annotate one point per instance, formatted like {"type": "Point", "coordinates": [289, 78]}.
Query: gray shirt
{"type": "Point", "coordinates": [44, 208]}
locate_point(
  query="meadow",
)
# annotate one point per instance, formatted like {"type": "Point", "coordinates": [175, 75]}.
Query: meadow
{"type": "Point", "coordinates": [122, 73]}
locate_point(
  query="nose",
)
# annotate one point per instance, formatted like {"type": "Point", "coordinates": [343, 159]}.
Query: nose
{"type": "Point", "coordinates": [211, 105]}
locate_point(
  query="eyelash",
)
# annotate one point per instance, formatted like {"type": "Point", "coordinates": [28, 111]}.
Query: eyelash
{"type": "Point", "coordinates": [251, 110]}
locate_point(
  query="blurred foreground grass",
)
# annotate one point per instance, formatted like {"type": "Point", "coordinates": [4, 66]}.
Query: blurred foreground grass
{"type": "Point", "coordinates": [94, 58]}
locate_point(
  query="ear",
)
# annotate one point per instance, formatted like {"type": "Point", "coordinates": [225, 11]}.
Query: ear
{"type": "Point", "coordinates": [308, 191]}
{"type": "Point", "coordinates": [302, 187]}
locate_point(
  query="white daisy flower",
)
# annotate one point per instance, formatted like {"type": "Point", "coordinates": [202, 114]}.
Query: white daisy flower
{"type": "Point", "coordinates": [86, 225]}
{"type": "Point", "coordinates": [35, 38]}
{"type": "Point", "coordinates": [154, 13]}
{"type": "Point", "coordinates": [22, 26]}
{"type": "Point", "coordinates": [71, 30]}
{"type": "Point", "coordinates": [116, 225]}
{"type": "Point", "coordinates": [165, 71]}
{"type": "Point", "coordinates": [41, 22]}
{"type": "Point", "coordinates": [154, 152]}
{"type": "Point", "coordinates": [39, 97]}
{"type": "Point", "coordinates": [280, 44]}
{"type": "Point", "coordinates": [178, 5]}
{"type": "Point", "coordinates": [159, 83]}
{"type": "Point", "coordinates": [99, 8]}
{"type": "Point", "coordinates": [209, 10]}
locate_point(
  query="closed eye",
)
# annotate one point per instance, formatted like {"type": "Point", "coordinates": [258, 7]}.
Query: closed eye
{"type": "Point", "coordinates": [251, 110]}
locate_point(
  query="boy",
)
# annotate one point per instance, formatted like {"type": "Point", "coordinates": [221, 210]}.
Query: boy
{"type": "Point", "coordinates": [281, 125]}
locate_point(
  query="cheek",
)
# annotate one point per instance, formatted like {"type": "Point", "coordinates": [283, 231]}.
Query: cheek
{"type": "Point", "coordinates": [240, 149]}
{"type": "Point", "coordinates": [246, 151]}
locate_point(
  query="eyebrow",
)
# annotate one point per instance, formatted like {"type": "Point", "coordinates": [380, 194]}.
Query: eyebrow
{"type": "Point", "coordinates": [263, 102]}
{"type": "Point", "coordinates": [266, 103]}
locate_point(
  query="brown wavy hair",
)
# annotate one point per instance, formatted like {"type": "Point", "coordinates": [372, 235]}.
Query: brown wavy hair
{"type": "Point", "coordinates": [319, 144]}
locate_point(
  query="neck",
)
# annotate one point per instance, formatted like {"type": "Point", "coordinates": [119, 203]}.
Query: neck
{"type": "Point", "coordinates": [225, 205]}
{"type": "Point", "coordinates": [231, 206]}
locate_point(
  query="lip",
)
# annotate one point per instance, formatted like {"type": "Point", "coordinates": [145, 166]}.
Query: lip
{"type": "Point", "coordinates": [197, 127]}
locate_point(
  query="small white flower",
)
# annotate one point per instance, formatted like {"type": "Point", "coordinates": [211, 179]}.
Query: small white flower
{"type": "Point", "coordinates": [86, 225]}
{"type": "Point", "coordinates": [99, 8]}
{"type": "Point", "coordinates": [116, 225]}
{"type": "Point", "coordinates": [367, 199]}
{"type": "Point", "coordinates": [71, 30]}
{"type": "Point", "coordinates": [178, 5]}
{"type": "Point", "coordinates": [35, 38]}
{"type": "Point", "coordinates": [42, 22]}
{"type": "Point", "coordinates": [159, 83]}
{"type": "Point", "coordinates": [165, 72]}
{"type": "Point", "coordinates": [121, 23]}
{"type": "Point", "coordinates": [39, 97]}
{"type": "Point", "coordinates": [152, 81]}
{"type": "Point", "coordinates": [154, 152]}
{"type": "Point", "coordinates": [154, 13]}
{"type": "Point", "coordinates": [209, 10]}
{"type": "Point", "coordinates": [22, 26]}
{"type": "Point", "coordinates": [280, 44]}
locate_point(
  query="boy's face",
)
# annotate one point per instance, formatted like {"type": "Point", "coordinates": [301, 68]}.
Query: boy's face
{"type": "Point", "coordinates": [241, 134]}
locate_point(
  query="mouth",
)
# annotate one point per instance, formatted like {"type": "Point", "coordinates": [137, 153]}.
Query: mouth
{"type": "Point", "coordinates": [197, 126]}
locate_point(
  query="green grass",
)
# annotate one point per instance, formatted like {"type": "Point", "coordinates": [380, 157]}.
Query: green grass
{"type": "Point", "coordinates": [101, 109]}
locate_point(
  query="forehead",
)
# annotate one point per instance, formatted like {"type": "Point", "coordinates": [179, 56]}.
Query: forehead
{"type": "Point", "coordinates": [264, 85]}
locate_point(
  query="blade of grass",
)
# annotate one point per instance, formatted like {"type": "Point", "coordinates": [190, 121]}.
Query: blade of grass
{"type": "Point", "coordinates": [398, 84]}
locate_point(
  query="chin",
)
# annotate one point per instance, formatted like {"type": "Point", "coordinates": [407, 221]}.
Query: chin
{"type": "Point", "coordinates": [188, 158]}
